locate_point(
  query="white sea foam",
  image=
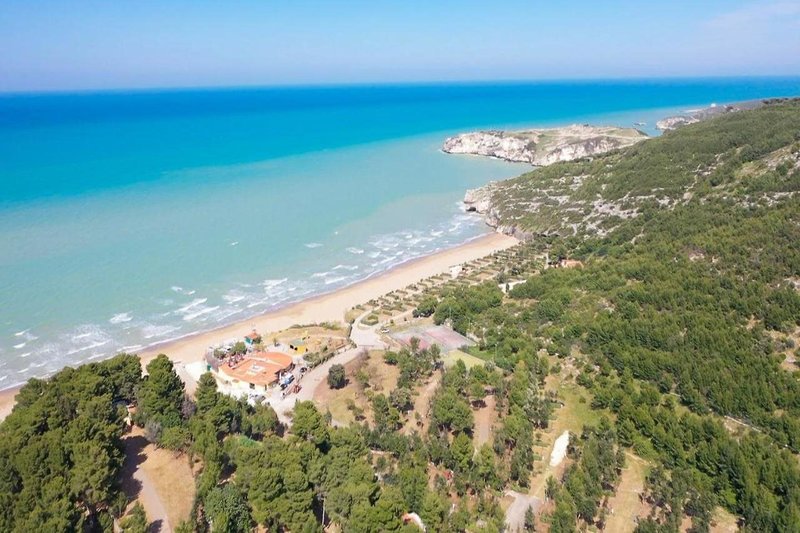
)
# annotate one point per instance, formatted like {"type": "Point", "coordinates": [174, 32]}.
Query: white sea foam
{"type": "Point", "coordinates": [272, 283]}
{"type": "Point", "coordinates": [24, 355]}
{"type": "Point", "coordinates": [354, 250]}
{"type": "Point", "coordinates": [176, 288]}
{"type": "Point", "coordinates": [131, 348]}
{"type": "Point", "coordinates": [151, 331]}
{"type": "Point", "coordinates": [233, 296]}
{"type": "Point", "coordinates": [321, 274]}
{"type": "Point", "coordinates": [257, 303]}
{"type": "Point", "coordinates": [226, 312]}
{"type": "Point", "coordinates": [20, 345]}
{"type": "Point", "coordinates": [312, 244]}
{"type": "Point", "coordinates": [335, 280]}
{"type": "Point", "coordinates": [202, 311]}
{"type": "Point", "coordinates": [234, 243]}
{"type": "Point", "coordinates": [194, 303]}
{"type": "Point", "coordinates": [92, 346]}
{"type": "Point", "coordinates": [346, 267]}
{"type": "Point", "coordinates": [26, 335]}
{"type": "Point", "coordinates": [119, 318]}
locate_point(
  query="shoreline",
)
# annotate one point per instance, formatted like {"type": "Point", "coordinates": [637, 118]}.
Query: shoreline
{"type": "Point", "coordinates": [328, 307]}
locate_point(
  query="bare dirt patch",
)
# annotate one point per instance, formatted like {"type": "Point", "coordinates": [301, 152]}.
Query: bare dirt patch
{"type": "Point", "coordinates": [382, 379]}
{"type": "Point", "coordinates": [724, 522]}
{"type": "Point", "coordinates": [163, 483]}
{"type": "Point", "coordinates": [484, 419]}
{"type": "Point", "coordinates": [787, 347]}
{"type": "Point", "coordinates": [626, 506]}
{"type": "Point", "coordinates": [518, 506]}
{"type": "Point", "coordinates": [419, 419]}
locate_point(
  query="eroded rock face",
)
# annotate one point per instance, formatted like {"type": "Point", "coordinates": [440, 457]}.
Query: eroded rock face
{"type": "Point", "coordinates": [478, 200]}
{"type": "Point", "coordinates": [490, 143]}
{"type": "Point", "coordinates": [698, 115]}
{"type": "Point", "coordinates": [671, 123]}
{"type": "Point", "coordinates": [543, 146]}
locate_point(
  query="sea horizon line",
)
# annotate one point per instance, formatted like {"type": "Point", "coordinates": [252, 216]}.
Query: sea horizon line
{"type": "Point", "coordinates": [378, 84]}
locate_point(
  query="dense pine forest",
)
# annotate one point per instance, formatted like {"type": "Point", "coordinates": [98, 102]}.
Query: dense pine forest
{"type": "Point", "coordinates": [677, 321]}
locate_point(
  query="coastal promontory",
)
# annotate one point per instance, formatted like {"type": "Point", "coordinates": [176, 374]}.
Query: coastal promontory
{"type": "Point", "coordinates": [541, 147]}
{"type": "Point", "coordinates": [593, 196]}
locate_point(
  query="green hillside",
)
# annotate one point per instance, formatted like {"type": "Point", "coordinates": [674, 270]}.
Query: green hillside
{"type": "Point", "coordinates": [669, 341]}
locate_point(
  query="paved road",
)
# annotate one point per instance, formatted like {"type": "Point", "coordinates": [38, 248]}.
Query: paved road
{"type": "Point", "coordinates": [363, 336]}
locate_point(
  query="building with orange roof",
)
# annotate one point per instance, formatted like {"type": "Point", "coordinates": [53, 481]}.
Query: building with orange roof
{"type": "Point", "coordinates": [252, 338]}
{"type": "Point", "coordinates": [257, 370]}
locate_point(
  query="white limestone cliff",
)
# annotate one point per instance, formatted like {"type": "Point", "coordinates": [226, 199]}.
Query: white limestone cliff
{"type": "Point", "coordinates": [542, 147]}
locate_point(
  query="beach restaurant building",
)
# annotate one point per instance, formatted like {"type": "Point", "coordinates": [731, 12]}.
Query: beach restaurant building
{"type": "Point", "coordinates": [255, 371]}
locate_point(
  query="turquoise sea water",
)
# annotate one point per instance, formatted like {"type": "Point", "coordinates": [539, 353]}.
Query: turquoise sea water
{"type": "Point", "coordinates": [128, 219]}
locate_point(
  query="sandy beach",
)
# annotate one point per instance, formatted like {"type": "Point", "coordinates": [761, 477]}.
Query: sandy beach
{"type": "Point", "coordinates": [324, 308]}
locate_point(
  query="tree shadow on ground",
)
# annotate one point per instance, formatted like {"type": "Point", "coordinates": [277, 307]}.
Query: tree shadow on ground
{"type": "Point", "coordinates": [133, 446]}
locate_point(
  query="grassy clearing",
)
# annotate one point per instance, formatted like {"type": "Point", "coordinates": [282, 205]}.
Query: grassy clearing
{"type": "Point", "coordinates": [453, 357]}
{"type": "Point", "coordinates": [625, 505]}
{"type": "Point", "coordinates": [572, 416]}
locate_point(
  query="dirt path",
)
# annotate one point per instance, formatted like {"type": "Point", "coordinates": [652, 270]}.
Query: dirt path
{"type": "Point", "coordinates": [422, 404]}
{"type": "Point", "coordinates": [484, 418]}
{"type": "Point", "coordinates": [137, 485]}
{"type": "Point", "coordinates": [309, 384]}
{"type": "Point", "coordinates": [515, 514]}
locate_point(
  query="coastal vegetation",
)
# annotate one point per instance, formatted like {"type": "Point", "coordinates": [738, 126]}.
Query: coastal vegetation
{"type": "Point", "coordinates": [61, 449]}
{"type": "Point", "coordinates": [649, 320]}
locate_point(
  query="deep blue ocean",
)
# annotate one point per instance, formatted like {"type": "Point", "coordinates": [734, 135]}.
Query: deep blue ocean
{"type": "Point", "coordinates": [130, 218]}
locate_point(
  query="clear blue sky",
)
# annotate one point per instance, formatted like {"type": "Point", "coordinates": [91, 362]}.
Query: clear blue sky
{"type": "Point", "coordinates": [76, 44]}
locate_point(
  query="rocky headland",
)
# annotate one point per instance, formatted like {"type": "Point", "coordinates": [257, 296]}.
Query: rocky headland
{"type": "Point", "coordinates": [699, 115]}
{"type": "Point", "coordinates": [541, 147]}
{"type": "Point", "coordinates": [538, 147]}
{"type": "Point", "coordinates": [591, 186]}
